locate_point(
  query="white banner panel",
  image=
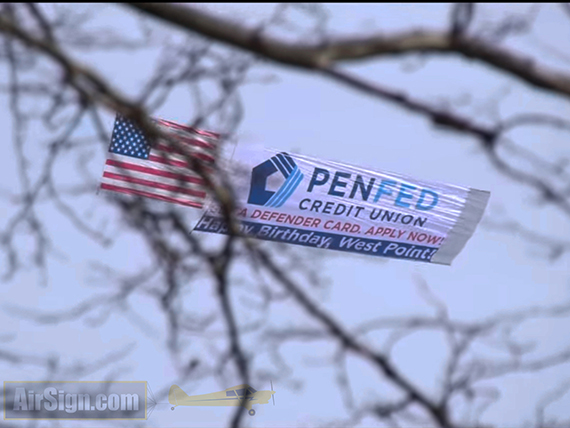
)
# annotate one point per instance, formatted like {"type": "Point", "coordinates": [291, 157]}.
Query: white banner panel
{"type": "Point", "coordinates": [317, 203]}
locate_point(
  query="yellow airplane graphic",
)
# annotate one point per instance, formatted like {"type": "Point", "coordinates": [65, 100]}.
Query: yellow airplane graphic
{"type": "Point", "coordinates": [240, 395]}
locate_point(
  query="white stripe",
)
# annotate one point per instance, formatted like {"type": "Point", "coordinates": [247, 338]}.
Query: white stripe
{"type": "Point", "coordinates": [153, 190]}
{"type": "Point", "coordinates": [181, 146]}
{"type": "Point", "coordinates": [176, 157]}
{"type": "Point", "coordinates": [156, 165]}
{"type": "Point", "coordinates": [155, 178]}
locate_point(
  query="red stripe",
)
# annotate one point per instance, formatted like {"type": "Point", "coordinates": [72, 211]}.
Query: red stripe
{"type": "Point", "coordinates": [201, 156]}
{"type": "Point", "coordinates": [181, 152]}
{"type": "Point", "coordinates": [181, 164]}
{"type": "Point", "coordinates": [188, 128]}
{"type": "Point", "coordinates": [194, 142]}
{"type": "Point", "coordinates": [198, 143]}
{"type": "Point", "coordinates": [150, 195]}
{"type": "Point", "coordinates": [152, 171]}
{"type": "Point", "coordinates": [163, 186]}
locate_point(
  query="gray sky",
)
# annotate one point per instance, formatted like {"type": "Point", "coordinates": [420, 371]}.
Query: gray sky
{"type": "Point", "coordinates": [302, 113]}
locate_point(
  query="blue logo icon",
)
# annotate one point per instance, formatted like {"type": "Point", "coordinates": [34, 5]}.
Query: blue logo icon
{"type": "Point", "coordinates": [258, 193]}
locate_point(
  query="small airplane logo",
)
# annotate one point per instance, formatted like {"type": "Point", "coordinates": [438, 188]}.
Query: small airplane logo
{"type": "Point", "coordinates": [240, 395]}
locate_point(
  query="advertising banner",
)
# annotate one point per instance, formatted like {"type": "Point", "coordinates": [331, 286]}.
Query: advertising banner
{"type": "Point", "coordinates": [306, 201]}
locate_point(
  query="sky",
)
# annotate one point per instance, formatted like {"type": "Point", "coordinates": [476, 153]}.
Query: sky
{"type": "Point", "coordinates": [304, 113]}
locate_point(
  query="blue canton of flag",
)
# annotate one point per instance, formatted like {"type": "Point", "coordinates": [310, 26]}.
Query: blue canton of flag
{"type": "Point", "coordinates": [128, 140]}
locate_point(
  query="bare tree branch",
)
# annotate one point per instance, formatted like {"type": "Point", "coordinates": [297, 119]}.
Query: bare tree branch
{"type": "Point", "coordinates": [438, 413]}
{"type": "Point", "coordinates": [326, 55]}
{"type": "Point", "coordinates": [179, 260]}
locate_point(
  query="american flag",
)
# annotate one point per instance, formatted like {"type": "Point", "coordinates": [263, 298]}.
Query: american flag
{"type": "Point", "coordinates": [161, 171]}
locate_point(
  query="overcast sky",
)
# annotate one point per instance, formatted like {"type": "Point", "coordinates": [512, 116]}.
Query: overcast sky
{"type": "Point", "coordinates": [307, 114]}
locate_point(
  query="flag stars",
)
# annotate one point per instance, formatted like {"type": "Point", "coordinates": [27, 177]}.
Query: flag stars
{"type": "Point", "coordinates": [128, 140]}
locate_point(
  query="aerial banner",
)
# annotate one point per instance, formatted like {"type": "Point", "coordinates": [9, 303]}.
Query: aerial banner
{"type": "Point", "coordinates": [302, 200]}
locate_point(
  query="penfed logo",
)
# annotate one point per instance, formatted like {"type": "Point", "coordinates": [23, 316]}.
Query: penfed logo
{"type": "Point", "coordinates": [258, 193]}
{"type": "Point", "coordinates": [331, 184]}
